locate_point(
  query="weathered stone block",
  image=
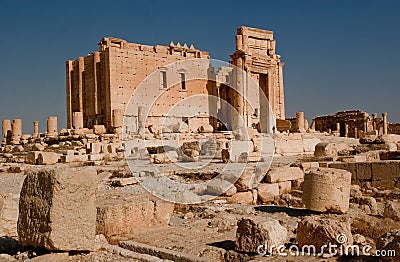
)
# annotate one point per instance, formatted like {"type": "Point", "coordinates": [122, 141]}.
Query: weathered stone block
{"type": "Point", "coordinates": [284, 174]}
{"type": "Point", "coordinates": [99, 129]}
{"type": "Point", "coordinates": [241, 198]}
{"type": "Point", "coordinates": [364, 171]}
{"type": "Point", "coordinates": [392, 210]}
{"type": "Point", "coordinates": [8, 215]}
{"type": "Point", "coordinates": [48, 158]}
{"type": "Point", "coordinates": [245, 181]}
{"type": "Point", "coordinates": [289, 145]}
{"type": "Point", "coordinates": [285, 187]}
{"type": "Point", "coordinates": [122, 215]}
{"type": "Point", "coordinates": [256, 231]}
{"type": "Point", "coordinates": [351, 167]}
{"type": "Point", "coordinates": [267, 192]}
{"type": "Point", "coordinates": [96, 157]}
{"type": "Point", "coordinates": [328, 149]}
{"type": "Point", "coordinates": [370, 202]}
{"type": "Point", "coordinates": [218, 186]}
{"type": "Point", "coordinates": [318, 232]}
{"type": "Point", "coordinates": [57, 208]}
{"type": "Point", "coordinates": [306, 166]}
{"type": "Point", "coordinates": [32, 157]}
{"type": "Point", "coordinates": [385, 170]}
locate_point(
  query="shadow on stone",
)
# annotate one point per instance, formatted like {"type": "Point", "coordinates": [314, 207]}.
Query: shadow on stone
{"type": "Point", "coordinates": [226, 244]}
{"type": "Point", "coordinates": [9, 246]}
{"type": "Point", "coordinates": [294, 212]}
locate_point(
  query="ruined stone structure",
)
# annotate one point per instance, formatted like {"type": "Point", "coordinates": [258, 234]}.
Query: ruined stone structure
{"type": "Point", "coordinates": [100, 85]}
{"type": "Point", "coordinates": [394, 128]}
{"type": "Point", "coordinates": [352, 121]}
{"type": "Point", "coordinates": [255, 54]}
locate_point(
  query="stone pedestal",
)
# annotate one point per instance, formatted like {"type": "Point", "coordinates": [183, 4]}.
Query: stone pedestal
{"type": "Point", "coordinates": [16, 131]}
{"type": "Point", "coordinates": [327, 190]}
{"type": "Point", "coordinates": [6, 131]}
{"type": "Point", "coordinates": [77, 120]}
{"type": "Point", "coordinates": [52, 129]}
{"type": "Point", "coordinates": [300, 122]}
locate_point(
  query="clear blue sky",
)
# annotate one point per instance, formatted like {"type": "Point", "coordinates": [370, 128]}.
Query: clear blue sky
{"type": "Point", "coordinates": [338, 55]}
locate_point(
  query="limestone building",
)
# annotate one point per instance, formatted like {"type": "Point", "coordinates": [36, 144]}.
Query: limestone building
{"type": "Point", "coordinates": [99, 85]}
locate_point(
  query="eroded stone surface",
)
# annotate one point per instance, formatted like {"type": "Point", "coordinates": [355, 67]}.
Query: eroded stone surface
{"type": "Point", "coordinates": [57, 208]}
{"type": "Point", "coordinates": [327, 189]}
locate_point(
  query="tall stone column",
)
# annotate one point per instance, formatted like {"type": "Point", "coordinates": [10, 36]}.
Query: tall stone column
{"type": "Point", "coordinates": [238, 121]}
{"type": "Point", "coordinates": [346, 130]}
{"type": "Point", "coordinates": [35, 129]}
{"type": "Point", "coordinates": [52, 129]}
{"type": "Point", "coordinates": [355, 132]}
{"type": "Point", "coordinates": [81, 68]}
{"type": "Point", "coordinates": [6, 131]}
{"type": "Point", "coordinates": [338, 127]}
{"type": "Point", "coordinates": [300, 122]}
{"type": "Point", "coordinates": [142, 112]}
{"type": "Point", "coordinates": [366, 117]}
{"type": "Point", "coordinates": [281, 98]}
{"type": "Point", "coordinates": [16, 131]}
{"type": "Point", "coordinates": [374, 115]}
{"type": "Point", "coordinates": [68, 68]}
{"type": "Point", "coordinates": [385, 123]}
{"type": "Point", "coordinates": [96, 74]}
{"type": "Point", "coordinates": [77, 120]}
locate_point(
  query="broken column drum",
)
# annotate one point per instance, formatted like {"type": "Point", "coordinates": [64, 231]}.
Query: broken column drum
{"type": "Point", "coordinates": [300, 122]}
{"type": "Point", "coordinates": [35, 129]}
{"type": "Point", "coordinates": [52, 129]}
{"type": "Point", "coordinates": [6, 134]}
{"type": "Point", "coordinates": [327, 190]}
{"type": "Point", "coordinates": [77, 120]}
{"type": "Point", "coordinates": [16, 131]}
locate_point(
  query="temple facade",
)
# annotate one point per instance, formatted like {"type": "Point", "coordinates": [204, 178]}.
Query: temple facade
{"type": "Point", "coordinates": [99, 86]}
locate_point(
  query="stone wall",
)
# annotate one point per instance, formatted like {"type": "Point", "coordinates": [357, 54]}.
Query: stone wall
{"type": "Point", "coordinates": [104, 80]}
{"type": "Point", "coordinates": [394, 128]}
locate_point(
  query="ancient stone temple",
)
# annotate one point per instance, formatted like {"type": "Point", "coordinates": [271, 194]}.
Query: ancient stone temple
{"type": "Point", "coordinates": [255, 54]}
{"type": "Point", "coordinates": [99, 86]}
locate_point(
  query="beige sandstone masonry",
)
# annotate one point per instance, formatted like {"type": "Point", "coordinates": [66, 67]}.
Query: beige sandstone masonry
{"type": "Point", "coordinates": [101, 83]}
{"type": "Point", "coordinates": [16, 131]}
{"type": "Point", "coordinates": [6, 131]}
{"type": "Point", "coordinates": [327, 190]}
{"type": "Point", "coordinates": [52, 129]}
{"type": "Point", "coordinates": [57, 208]}
{"type": "Point", "coordinates": [255, 54]}
{"type": "Point", "coordinates": [35, 129]}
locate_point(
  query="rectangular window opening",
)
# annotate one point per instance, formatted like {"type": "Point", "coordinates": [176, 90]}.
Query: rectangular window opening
{"type": "Point", "coordinates": [163, 81]}
{"type": "Point", "coordinates": [183, 81]}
